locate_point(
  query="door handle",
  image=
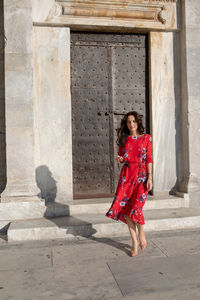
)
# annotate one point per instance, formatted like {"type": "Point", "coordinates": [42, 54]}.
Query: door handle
{"type": "Point", "coordinates": [118, 113]}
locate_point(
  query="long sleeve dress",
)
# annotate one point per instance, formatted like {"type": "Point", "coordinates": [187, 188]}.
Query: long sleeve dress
{"type": "Point", "coordinates": [132, 191]}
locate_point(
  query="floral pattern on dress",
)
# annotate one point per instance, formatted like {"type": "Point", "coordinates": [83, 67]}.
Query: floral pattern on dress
{"type": "Point", "coordinates": [131, 192]}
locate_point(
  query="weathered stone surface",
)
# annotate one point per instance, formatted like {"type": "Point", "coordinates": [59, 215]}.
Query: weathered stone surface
{"type": "Point", "coordinates": [156, 275]}
{"type": "Point", "coordinates": [2, 105]}
{"type": "Point", "coordinates": [65, 255]}
{"type": "Point", "coordinates": [193, 78]}
{"type": "Point", "coordinates": [41, 9]}
{"type": "Point", "coordinates": [18, 26]}
{"type": "Point", "coordinates": [53, 113]}
{"type": "Point", "coordinates": [20, 83]}
{"type": "Point", "coordinates": [163, 110]}
{"type": "Point", "coordinates": [82, 269]}
{"type": "Point", "coordinates": [192, 14]}
{"type": "Point", "coordinates": [141, 14]}
{"type": "Point", "coordinates": [19, 101]}
{"type": "Point", "coordinates": [190, 96]}
{"type": "Point", "coordinates": [167, 245]}
{"type": "Point", "coordinates": [16, 258]}
{"type": "Point", "coordinates": [47, 111]}
{"type": "Point", "coordinates": [71, 227]}
{"type": "Point", "coordinates": [24, 209]}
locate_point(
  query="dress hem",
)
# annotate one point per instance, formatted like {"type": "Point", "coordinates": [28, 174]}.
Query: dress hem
{"type": "Point", "coordinates": [122, 219]}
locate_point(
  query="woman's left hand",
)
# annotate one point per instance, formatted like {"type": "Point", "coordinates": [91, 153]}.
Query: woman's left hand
{"type": "Point", "coordinates": [149, 184]}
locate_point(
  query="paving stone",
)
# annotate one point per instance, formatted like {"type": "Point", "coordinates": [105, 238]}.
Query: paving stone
{"type": "Point", "coordinates": [88, 281]}
{"type": "Point", "coordinates": [103, 249]}
{"type": "Point", "coordinates": [186, 244]}
{"type": "Point", "coordinates": [157, 275]}
{"type": "Point", "coordinates": [100, 268]}
{"type": "Point", "coordinates": [21, 259]}
{"type": "Point", "coordinates": [27, 284]}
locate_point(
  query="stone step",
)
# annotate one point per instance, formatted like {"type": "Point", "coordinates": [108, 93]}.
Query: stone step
{"type": "Point", "coordinates": [101, 205]}
{"type": "Point", "coordinates": [70, 227]}
{"type": "Point", "coordinates": [31, 210]}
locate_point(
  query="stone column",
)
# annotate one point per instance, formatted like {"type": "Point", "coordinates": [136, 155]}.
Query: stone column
{"type": "Point", "coordinates": [53, 113]}
{"type": "Point", "coordinates": [2, 105]}
{"type": "Point", "coordinates": [163, 98]}
{"type": "Point", "coordinates": [190, 79]}
{"type": "Point", "coordinates": [21, 185]}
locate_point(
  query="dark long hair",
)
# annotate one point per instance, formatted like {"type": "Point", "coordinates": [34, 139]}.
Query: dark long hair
{"type": "Point", "coordinates": [123, 131]}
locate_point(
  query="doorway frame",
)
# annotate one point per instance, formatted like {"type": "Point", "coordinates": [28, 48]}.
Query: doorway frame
{"type": "Point", "coordinates": [162, 97]}
{"type": "Point", "coordinates": [113, 167]}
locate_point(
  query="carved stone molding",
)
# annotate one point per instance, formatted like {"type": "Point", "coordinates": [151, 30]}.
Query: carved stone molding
{"type": "Point", "coordinates": [152, 14]}
{"type": "Point", "coordinates": [162, 1]}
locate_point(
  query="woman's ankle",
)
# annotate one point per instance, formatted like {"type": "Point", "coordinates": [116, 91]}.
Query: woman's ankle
{"type": "Point", "coordinates": [134, 242]}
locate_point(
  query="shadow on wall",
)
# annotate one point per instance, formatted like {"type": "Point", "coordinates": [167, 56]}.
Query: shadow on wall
{"type": "Point", "coordinates": [46, 183]}
{"type": "Point", "coordinates": [48, 191]}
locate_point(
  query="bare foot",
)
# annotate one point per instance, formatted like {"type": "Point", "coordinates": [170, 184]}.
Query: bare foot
{"type": "Point", "coordinates": [143, 242]}
{"type": "Point", "coordinates": [134, 249]}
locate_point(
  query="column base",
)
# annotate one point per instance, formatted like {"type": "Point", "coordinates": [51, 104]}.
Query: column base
{"type": "Point", "coordinates": [20, 193]}
{"type": "Point", "coordinates": [21, 210]}
{"type": "Point", "coordinates": [189, 184]}
{"type": "Point", "coordinates": [21, 201]}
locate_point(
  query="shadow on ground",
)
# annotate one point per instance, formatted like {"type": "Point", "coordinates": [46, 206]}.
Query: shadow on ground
{"type": "Point", "coordinates": [75, 226]}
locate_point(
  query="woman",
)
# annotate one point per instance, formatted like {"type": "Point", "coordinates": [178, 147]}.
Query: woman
{"type": "Point", "coordinates": [135, 151]}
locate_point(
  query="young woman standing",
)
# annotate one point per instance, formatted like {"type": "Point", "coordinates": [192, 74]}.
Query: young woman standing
{"type": "Point", "coordinates": [135, 152]}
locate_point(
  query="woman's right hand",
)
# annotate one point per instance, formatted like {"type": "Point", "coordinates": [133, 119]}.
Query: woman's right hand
{"type": "Point", "coordinates": [119, 159]}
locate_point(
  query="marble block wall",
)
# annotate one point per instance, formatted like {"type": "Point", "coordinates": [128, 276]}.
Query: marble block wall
{"type": "Point", "coordinates": [163, 103]}
{"type": "Point", "coordinates": [41, 122]}
{"type": "Point", "coordinates": [193, 83]}
{"type": "Point", "coordinates": [53, 143]}
{"type": "Point", "coordinates": [2, 105]}
{"type": "Point", "coordinates": [190, 63]}
{"type": "Point", "coordinates": [19, 102]}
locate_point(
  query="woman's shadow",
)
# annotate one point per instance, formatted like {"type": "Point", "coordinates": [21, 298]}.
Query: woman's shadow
{"type": "Point", "coordinates": [74, 226]}
{"type": "Point", "coordinates": [46, 183]}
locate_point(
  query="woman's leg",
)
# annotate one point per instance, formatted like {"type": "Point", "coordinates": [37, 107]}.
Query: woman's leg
{"type": "Point", "coordinates": [132, 230]}
{"type": "Point", "coordinates": [142, 238]}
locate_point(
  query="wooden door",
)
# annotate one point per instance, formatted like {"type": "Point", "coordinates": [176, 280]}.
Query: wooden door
{"type": "Point", "coordinates": [109, 77]}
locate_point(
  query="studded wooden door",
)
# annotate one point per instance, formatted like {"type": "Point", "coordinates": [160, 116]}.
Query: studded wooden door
{"type": "Point", "coordinates": [109, 77]}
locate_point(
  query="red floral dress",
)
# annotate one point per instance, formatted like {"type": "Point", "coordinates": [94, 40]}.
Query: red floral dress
{"type": "Point", "coordinates": [132, 191]}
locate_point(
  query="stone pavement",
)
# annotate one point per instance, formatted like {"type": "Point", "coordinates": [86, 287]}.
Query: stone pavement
{"type": "Point", "coordinates": [101, 268]}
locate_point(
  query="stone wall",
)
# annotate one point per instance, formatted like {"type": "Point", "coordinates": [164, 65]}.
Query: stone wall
{"type": "Point", "coordinates": [190, 103]}
{"type": "Point", "coordinates": [165, 95]}
{"type": "Point", "coordinates": [52, 108]}
{"type": "Point", "coordinates": [163, 104]}
{"type": "Point", "coordinates": [44, 117]}
{"type": "Point", "coordinates": [193, 87]}
{"type": "Point", "coordinates": [2, 105]}
{"type": "Point", "coordinates": [19, 116]}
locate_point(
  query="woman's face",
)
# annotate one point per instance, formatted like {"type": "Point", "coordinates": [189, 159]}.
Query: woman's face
{"type": "Point", "coordinates": [132, 124]}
